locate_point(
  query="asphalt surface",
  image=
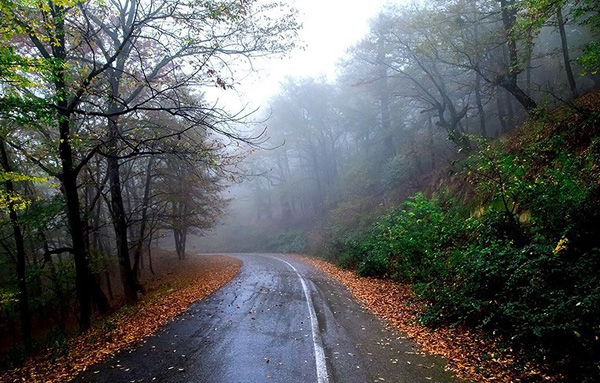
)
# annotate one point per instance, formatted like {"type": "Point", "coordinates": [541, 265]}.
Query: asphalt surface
{"type": "Point", "coordinates": [278, 320]}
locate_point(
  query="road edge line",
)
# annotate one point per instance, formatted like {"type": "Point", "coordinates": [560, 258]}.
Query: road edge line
{"type": "Point", "coordinates": [320, 362]}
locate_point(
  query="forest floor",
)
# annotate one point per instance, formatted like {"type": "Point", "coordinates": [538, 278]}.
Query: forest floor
{"type": "Point", "coordinates": [168, 294]}
{"type": "Point", "coordinates": [468, 354]}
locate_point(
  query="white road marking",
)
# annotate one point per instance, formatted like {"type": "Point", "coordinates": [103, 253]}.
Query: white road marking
{"type": "Point", "coordinates": [321, 365]}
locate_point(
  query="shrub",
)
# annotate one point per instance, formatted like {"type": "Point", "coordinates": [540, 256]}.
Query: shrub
{"type": "Point", "coordinates": [413, 243]}
{"type": "Point", "coordinates": [540, 301]}
{"type": "Point", "coordinates": [288, 242]}
{"type": "Point", "coordinates": [524, 266]}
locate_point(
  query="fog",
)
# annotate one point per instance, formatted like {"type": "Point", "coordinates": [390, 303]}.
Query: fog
{"type": "Point", "coordinates": [412, 95]}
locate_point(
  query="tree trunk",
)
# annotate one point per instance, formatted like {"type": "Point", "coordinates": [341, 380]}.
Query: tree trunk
{"type": "Point", "coordinates": [180, 227]}
{"type": "Point", "coordinates": [96, 237]}
{"type": "Point", "coordinates": [129, 196]}
{"type": "Point", "coordinates": [286, 209]}
{"type": "Point", "coordinates": [529, 45]}
{"type": "Point", "coordinates": [68, 176]}
{"type": "Point", "coordinates": [509, 80]}
{"type": "Point", "coordinates": [144, 216]}
{"type": "Point", "coordinates": [316, 173]}
{"type": "Point", "coordinates": [432, 148]}
{"type": "Point", "coordinates": [178, 235]}
{"type": "Point", "coordinates": [128, 276]}
{"type": "Point", "coordinates": [501, 111]}
{"type": "Point", "coordinates": [527, 102]}
{"type": "Point", "coordinates": [565, 51]}
{"type": "Point", "coordinates": [182, 243]}
{"type": "Point", "coordinates": [83, 275]}
{"type": "Point", "coordinates": [150, 238]}
{"type": "Point", "coordinates": [510, 110]}
{"type": "Point", "coordinates": [85, 285]}
{"type": "Point", "coordinates": [480, 111]}
{"type": "Point", "coordinates": [384, 102]}
{"type": "Point", "coordinates": [24, 312]}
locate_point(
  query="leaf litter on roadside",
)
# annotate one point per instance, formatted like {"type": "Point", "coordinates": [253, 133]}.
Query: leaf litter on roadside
{"type": "Point", "coordinates": [468, 353]}
{"type": "Point", "coordinates": [167, 297]}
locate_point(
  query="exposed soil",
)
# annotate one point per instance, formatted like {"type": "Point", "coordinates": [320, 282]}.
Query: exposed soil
{"type": "Point", "coordinates": [167, 295]}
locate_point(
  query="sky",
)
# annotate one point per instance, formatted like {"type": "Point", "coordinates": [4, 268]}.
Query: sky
{"type": "Point", "coordinates": [330, 27]}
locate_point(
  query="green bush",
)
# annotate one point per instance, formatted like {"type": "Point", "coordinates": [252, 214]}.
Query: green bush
{"type": "Point", "coordinates": [396, 170]}
{"type": "Point", "coordinates": [412, 244]}
{"type": "Point", "coordinates": [522, 266]}
{"type": "Point", "coordinates": [352, 249]}
{"type": "Point", "coordinates": [542, 302]}
{"type": "Point", "coordinates": [534, 281]}
{"type": "Point", "coordinates": [288, 242]}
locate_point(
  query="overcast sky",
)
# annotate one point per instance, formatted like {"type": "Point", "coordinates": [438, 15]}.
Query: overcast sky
{"type": "Point", "coordinates": [330, 27]}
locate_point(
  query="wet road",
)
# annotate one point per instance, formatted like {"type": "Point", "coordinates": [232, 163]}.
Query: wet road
{"type": "Point", "coordinates": [278, 320]}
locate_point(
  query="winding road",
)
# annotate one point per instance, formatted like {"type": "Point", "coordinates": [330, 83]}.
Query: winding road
{"type": "Point", "coordinates": [278, 320]}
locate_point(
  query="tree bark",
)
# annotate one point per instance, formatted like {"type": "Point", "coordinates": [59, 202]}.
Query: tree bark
{"type": "Point", "coordinates": [82, 268]}
{"type": "Point", "coordinates": [480, 110]}
{"type": "Point", "coordinates": [501, 111]}
{"type": "Point", "coordinates": [24, 313]}
{"type": "Point", "coordinates": [180, 238]}
{"type": "Point", "coordinates": [527, 102]}
{"type": "Point", "coordinates": [509, 80]}
{"type": "Point", "coordinates": [128, 276]}
{"type": "Point", "coordinates": [144, 216]}
{"type": "Point", "coordinates": [180, 227]}
{"type": "Point", "coordinates": [149, 245]}
{"type": "Point", "coordinates": [68, 178]}
{"type": "Point", "coordinates": [565, 51]}
{"type": "Point", "coordinates": [85, 285]}
{"type": "Point", "coordinates": [432, 148]}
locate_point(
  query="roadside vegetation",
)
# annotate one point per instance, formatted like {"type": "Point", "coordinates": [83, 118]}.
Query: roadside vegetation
{"type": "Point", "coordinates": [469, 353]}
{"type": "Point", "coordinates": [516, 257]}
{"type": "Point", "coordinates": [168, 294]}
{"type": "Point", "coordinates": [457, 151]}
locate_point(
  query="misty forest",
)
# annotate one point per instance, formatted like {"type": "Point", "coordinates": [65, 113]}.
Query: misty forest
{"type": "Point", "coordinates": [456, 151]}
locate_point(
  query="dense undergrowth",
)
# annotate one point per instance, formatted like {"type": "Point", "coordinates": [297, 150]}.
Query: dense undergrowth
{"type": "Point", "coordinates": [519, 257]}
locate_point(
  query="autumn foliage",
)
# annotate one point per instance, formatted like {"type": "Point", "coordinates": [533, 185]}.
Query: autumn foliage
{"type": "Point", "coordinates": [168, 296]}
{"type": "Point", "coordinates": [468, 353]}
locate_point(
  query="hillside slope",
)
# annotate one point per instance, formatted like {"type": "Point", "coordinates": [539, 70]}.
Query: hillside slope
{"type": "Point", "coordinates": [517, 256]}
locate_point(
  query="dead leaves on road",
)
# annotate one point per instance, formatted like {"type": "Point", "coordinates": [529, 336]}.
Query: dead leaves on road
{"type": "Point", "coordinates": [194, 279]}
{"type": "Point", "coordinates": [468, 354]}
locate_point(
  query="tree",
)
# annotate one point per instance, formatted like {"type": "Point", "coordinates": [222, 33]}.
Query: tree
{"type": "Point", "coordinates": [413, 59]}
{"type": "Point", "coordinates": [538, 14]}
{"type": "Point", "coordinates": [509, 79]}
{"type": "Point", "coordinates": [192, 197]}
{"type": "Point", "coordinates": [85, 51]}
{"type": "Point", "coordinates": [13, 202]}
{"type": "Point", "coordinates": [307, 121]}
{"type": "Point", "coordinates": [587, 13]}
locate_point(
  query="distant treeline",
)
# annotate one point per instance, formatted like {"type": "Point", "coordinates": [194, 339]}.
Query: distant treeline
{"type": "Point", "coordinates": [395, 169]}
{"type": "Point", "coordinates": [409, 98]}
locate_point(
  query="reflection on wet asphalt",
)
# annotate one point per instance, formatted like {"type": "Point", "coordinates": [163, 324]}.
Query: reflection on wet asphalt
{"type": "Point", "coordinates": [257, 328]}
